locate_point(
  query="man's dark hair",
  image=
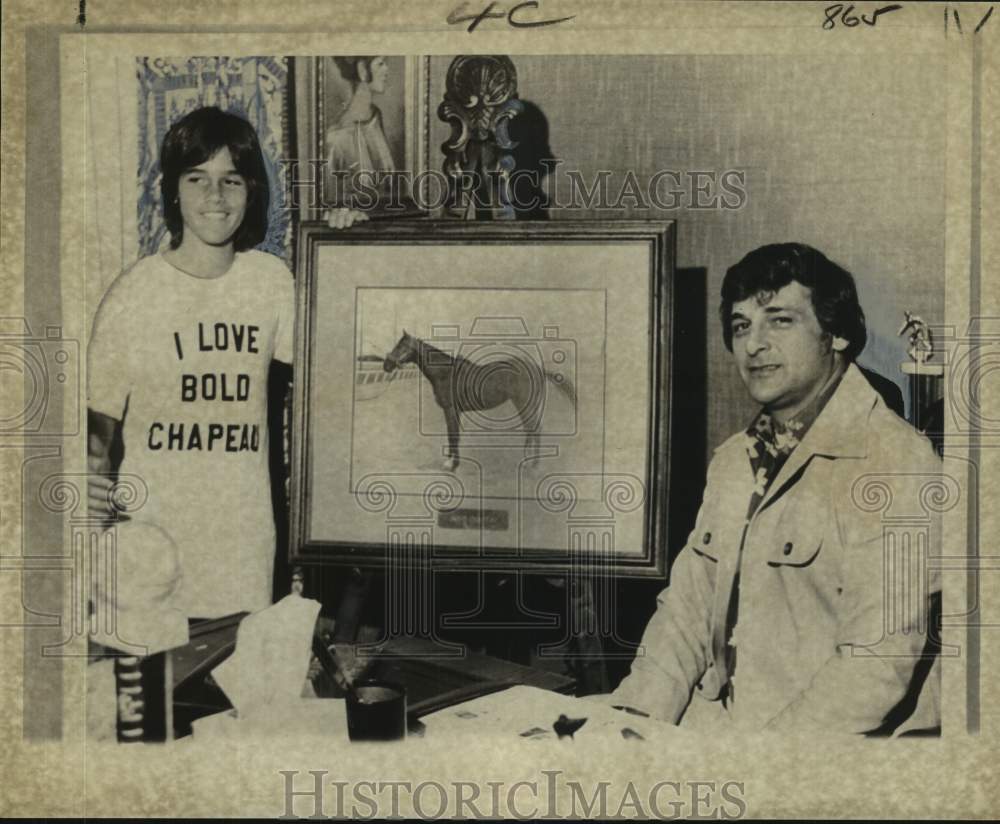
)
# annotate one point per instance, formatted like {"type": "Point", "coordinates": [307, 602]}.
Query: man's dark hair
{"type": "Point", "coordinates": [194, 139]}
{"type": "Point", "coordinates": [769, 268]}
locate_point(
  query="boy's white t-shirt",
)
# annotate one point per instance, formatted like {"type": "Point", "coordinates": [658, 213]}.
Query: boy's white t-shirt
{"type": "Point", "coordinates": [184, 361]}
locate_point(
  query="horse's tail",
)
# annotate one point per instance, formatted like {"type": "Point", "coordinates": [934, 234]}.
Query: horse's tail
{"type": "Point", "coordinates": [564, 385]}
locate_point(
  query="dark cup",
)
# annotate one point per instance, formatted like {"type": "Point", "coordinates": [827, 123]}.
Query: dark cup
{"type": "Point", "coordinates": [376, 711]}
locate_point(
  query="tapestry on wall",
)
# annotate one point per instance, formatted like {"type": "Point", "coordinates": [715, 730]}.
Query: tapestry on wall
{"type": "Point", "coordinates": [254, 88]}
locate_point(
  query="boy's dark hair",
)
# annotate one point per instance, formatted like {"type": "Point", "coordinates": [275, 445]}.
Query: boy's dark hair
{"type": "Point", "coordinates": [769, 268]}
{"type": "Point", "coordinates": [195, 138]}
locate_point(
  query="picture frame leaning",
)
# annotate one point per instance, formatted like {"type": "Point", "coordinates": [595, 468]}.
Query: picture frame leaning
{"type": "Point", "coordinates": [484, 395]}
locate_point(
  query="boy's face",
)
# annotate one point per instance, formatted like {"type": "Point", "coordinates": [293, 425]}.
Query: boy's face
{"type": "Point", "coordinates": [783, 355]}
{"type": "Point", "coordinates": [213, 200]}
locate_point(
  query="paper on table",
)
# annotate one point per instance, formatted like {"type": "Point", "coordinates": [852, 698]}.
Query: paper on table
{"type": "Point", "coordinates": [269, 666]}
{"type": "Point", "coordinates": [530, 712]}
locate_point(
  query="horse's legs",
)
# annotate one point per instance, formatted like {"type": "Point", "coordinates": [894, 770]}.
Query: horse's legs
{"type": "Point", "coordinates": [531, 446]}
{"type": "Point", "coordinates": [527, 395]}
{"type": "Point", "coordinates": [531, 419]}
{"type": "Point", "coordinates": [451, 419]}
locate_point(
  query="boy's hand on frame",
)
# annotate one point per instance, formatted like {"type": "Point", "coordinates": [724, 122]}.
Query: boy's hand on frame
{"type": "Point", "coordinates": [343, 218]}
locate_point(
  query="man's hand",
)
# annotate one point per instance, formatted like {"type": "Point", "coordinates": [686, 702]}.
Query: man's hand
{"type": "Point", "coordinates": [344, 218]}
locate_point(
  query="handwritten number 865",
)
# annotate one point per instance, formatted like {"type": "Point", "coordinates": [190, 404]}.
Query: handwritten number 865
{"type": "Point", "coordinates": [847, 18]}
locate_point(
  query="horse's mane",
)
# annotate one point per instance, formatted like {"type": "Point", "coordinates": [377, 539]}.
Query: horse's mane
{"type": "Point", "coordinates": [423, 347]}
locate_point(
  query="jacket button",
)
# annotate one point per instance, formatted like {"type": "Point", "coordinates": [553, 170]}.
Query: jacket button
{"type": "Point", "coordinates": [788, 548]}
{"type": "Point", "coordinates": [706, 538]}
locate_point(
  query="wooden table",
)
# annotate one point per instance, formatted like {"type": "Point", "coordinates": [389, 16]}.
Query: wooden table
{"type": "Point", "coordinates": [433, 682]}
{"type": "Point", "coordinates": [434, 675]}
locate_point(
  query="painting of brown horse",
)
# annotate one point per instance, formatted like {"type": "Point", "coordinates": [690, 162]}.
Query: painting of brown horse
{"type": "Point", "coordinates": [462, 385]}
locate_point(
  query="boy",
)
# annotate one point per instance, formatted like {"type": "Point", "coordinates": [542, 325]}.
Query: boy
{"type": "Point", "coordinates": [178, 363]}
{"type": "Point", "coordinates": [178, 368]}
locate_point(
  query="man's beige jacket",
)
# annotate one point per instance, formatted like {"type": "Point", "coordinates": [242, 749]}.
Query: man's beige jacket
{"type": "Point", "coordinates": [834, 589]}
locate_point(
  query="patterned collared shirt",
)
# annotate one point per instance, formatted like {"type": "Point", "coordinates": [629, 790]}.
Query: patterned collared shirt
{"type": "Point", "coordinates": [769, 442]}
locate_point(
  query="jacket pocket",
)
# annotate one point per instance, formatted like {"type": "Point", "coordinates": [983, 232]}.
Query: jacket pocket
{"type": "Point", "coordinates": [797, 538]}
{"type": "Point", "coordinates": [705, 542]}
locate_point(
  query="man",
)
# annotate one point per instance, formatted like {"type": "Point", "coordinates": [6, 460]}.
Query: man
{"type": "Point", "coordinates": [781, 609]}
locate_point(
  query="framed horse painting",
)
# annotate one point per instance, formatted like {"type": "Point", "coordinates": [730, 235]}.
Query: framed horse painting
{"type": "Point", "coordinates": [491, 395]}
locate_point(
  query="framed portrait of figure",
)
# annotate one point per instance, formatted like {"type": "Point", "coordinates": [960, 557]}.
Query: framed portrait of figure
{"type": "Point", "coordinates": [362, 119]}
{"type": "Point", "coordinates": [484, 395]}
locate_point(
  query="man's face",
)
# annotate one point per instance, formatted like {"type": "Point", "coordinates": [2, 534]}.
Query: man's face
{"type": "Point", "coordinates": [783, 355]}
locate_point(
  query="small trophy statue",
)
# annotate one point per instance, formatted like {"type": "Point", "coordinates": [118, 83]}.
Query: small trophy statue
{"type": "Point", "coordinates": [921, 347]}
{"type": "Point", "coordinates": [925, 378]}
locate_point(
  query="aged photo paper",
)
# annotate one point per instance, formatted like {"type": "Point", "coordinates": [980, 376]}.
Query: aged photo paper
{"type": "Point", "coordinates": [416, 392]}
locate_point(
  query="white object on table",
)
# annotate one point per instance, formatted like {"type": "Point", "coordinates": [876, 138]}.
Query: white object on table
{"type": "Point", "coordinates": [264, 678]}
{"type": "Point", "coordinates": [529, 713]}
